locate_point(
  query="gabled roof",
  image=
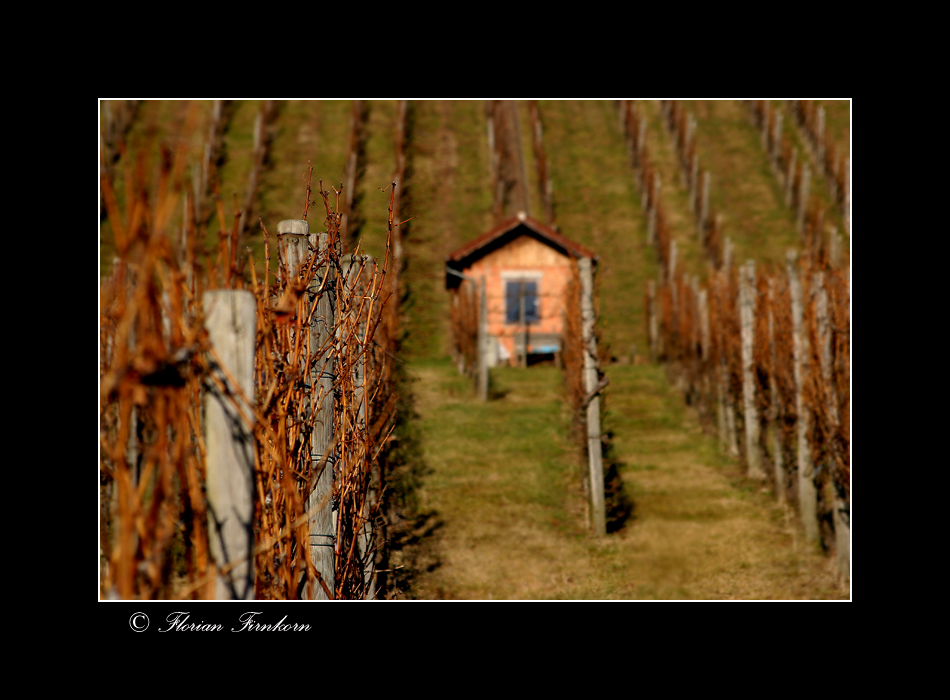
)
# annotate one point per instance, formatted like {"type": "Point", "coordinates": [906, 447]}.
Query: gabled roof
{"type": "Point", "coordinates": [509, 230]}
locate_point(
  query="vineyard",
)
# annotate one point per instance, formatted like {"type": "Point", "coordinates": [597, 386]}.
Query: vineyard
{"type": "Point", "coordinates": [293, 406]}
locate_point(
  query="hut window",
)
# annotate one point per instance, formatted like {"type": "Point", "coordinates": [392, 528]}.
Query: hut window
{"type": "Point", "coordinates": [514, 289]}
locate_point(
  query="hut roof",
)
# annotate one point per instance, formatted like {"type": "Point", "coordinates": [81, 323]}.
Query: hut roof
{"type": "Point", "coordinates": [507, 231]}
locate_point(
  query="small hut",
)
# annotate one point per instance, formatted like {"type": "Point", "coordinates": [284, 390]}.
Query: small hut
{"type": "Point", "coordinates": [526, 267]}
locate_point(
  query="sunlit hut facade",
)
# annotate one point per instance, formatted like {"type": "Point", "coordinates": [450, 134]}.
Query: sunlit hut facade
{"type": "Point", "coordinates": [526, 266]}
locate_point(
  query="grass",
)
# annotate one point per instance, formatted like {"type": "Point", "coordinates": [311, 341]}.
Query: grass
{"type": "Point", "coordinates": [503, 498]}
{"type": "Point", "coordinates": [597, 205]}
{"type": "Point", "coordinates": [742, 187]}
{"type": "Point", "coordinates": [673, 195]}
{"type": "Point", "coordinates": [502, 485]}
{"type": "Point", "coordinates": [452, 205]}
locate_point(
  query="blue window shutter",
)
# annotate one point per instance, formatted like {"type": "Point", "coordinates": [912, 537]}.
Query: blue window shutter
{"type": "Point", "coordinates": [512, 295]}
{"type": "Point", "coordinates": [531, 314]}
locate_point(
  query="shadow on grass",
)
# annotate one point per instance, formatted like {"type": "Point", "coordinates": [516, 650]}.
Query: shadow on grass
{"type": "Point", "coordinates": [619, 507]}
{"type": "Point", "coordinates": [413, 553]}
{"type": "Point", "coordinates": [496, 394]}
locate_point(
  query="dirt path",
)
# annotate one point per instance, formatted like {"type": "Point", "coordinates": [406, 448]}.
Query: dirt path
{"type": "Point", "coordinates": [508, 518]}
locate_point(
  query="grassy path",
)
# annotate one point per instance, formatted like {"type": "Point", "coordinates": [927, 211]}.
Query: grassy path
{"type": "Point", "coordinates": [507, 519]}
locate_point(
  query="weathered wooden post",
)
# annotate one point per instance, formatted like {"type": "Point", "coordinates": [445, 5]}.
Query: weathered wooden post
{"type": "Point", "coordinates": [671, 268]}
{"type": "Point", "coordinates": [702, 219]}
{"type": "Point", "coordinates": [803, 188]}
{"type": "Point", "coordinates": [368, 539]}
{"type": "Point", "coordinates": [778, 452]}
{"type": "Point", "coordinates": [704, 334]}
{"type": "Point", "coordinates": [834, 173]}
{"type": "Point", "coordinates": [720, 369]}
{"type": "Point", "coordinates": [702, 310]}
{"type": "Point", "coordinates": [750, 412]}
{"type": "Point", "coordinates": [295, 241]}
{"type": "Point", "coordinates": [469, 291]}
{"type": "Point", "coordinates": [350, 338]}
{"type": "Point", "coordinates": [807, 494]}
{"type": "Point", "coordinates": [482, 341]}
{"type": "Point", "coordinates": [834, 243]}
{"type": "Point", "coordinates": [322, 379]}
{"type": "Point", "coordinates": [653, 323]}
{"type": "Point", "coordinates": [231, 322]}
{"type": "Point", "coordinates": [594, 447]}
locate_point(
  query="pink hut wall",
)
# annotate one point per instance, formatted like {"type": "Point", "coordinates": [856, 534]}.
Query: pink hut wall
{"type": "Point", "coordinates": [535, 260]}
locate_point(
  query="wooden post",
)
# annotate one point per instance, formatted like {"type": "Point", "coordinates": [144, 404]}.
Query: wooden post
{"type": "Point", "coordinates": [459, 309]}
{"type": "Point", "coordinates": [727, 255]}
{"type": "Point", "coordinates": [750, 412]}
{"type": "Point", "coordinates": [803, 198]}
{"type": "Point", "coordinates": [294, 246]}
{"type": "Point", "coordinates": [835, 246]}
{"type": "Point", "coordinates": [807, 494]}
{"type": "Point", "coordinates": [704, 347]}
{"type": "Point", "coordinates": [778, 453]}
{"type": "Point", "coordinates": [294, 241]}
{"type": "Point", "coordinates": [725, 411]}
{"type": "Point", "coordinates": [716, 290]}
{"type": "Point", "coordinates": [671, 269]}
{"type": "Point", "coordinates": [322, 379]}
{"type": "Point", "coordinates": [482, 341]}
{"type": "Point", "coordinates": [704, 336]}
{"type": "Point", "coordinates": [653, 322]}
{"type": "Point", "coordinates": [776, 150]}
{"type": "Point", "coordinates": [468, 289]}
{"type": "Point", "coordinates": [356, 268]}
{"type": "Point", "coordinates": [231, 322]}
{"type": "Point", "coordinates": [594, 447]}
